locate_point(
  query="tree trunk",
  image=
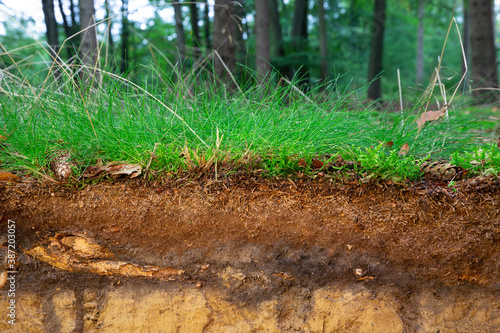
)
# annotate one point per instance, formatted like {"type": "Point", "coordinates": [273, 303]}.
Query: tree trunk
{"type": "Point", "coordinates": [179, 31]}
{"type": "Point", "coordinates": [299, 43]}
{"type": "Point", "coordinates": [88, 49]}
{"type": "Point", "coordinates": [70, 30]}
{"type": "Point", "coordinates": [224, 39]}
{"type": "Point", "coordinates": [377, 46]}
{"type": "Point", "coordinates": [482, 47]}
{"type": "Point", "coordinates": [125, 37]}
{"type": "Point", "coordinates": [193, 6]}
{"type": "Point", "coordinates": [51, 24]}
{"type": "Point", "coordinates": [109, 34]}
{"type": "Point", "coordinates": [262, 47]}
{"type": "Point", "coordinates": [240, 11]}
{"type": "Point", "coordinates": [73, 14]}
{"type": "Point", "coordinates": [354, 22]}
{"type": "Point", "coordinates": [466, 38]}
{"type": "Point", "coordinates": [323, 44]}
{"type": "Point", "coordinates": [278, 42]}
{"type": "Point", "coordinates": [420, 41]}
{"type": "Point", "coordinates": [279, 50]}
{"type": "Point", "coordinates": [206, 26]}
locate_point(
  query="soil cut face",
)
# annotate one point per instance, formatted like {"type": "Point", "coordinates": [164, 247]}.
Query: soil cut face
{"type": "Point", "coordinates": [257, 242]}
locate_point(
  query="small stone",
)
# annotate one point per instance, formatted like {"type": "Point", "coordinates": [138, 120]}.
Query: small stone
{"type": "Point", "coordinates": [359, 272]}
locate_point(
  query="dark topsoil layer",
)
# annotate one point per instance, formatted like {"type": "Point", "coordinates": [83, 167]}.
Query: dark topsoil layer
{"type": "Point", "coordinates": [299, 232]}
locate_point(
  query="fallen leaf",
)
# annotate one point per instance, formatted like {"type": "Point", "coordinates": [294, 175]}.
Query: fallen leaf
{"type": "Point", "coordinates": [404, 149]}
{"type": "Point", "coordinates": [93, 171]}
{"type": "Point", "coordinates": [2, 137]}
{"type": "Point", "coordinates": [389, 144]}
{"type": "Point", "coordinates": [8, 177]}
{"type": "Point", "coordinates": [302, 163]}
{"type": "Point", "coordinates": [317, 163]}
{"type": "Point", "coordinates": [132, 170]}
{"type": "Point", "coordinates": [498, 143]}
{"type": "Point", "coordinates": [430, 116]}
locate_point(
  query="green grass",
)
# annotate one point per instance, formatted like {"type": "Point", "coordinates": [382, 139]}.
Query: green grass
{"type": "Point", "coordinates": [269, 127]}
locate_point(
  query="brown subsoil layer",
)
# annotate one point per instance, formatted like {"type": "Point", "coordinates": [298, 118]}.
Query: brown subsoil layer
{"type": "Point", "coordinates": [269, 235]}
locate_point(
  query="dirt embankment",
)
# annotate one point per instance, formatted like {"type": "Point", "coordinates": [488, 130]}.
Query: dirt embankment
{"type": "Point", "coordinates": [257, 255]}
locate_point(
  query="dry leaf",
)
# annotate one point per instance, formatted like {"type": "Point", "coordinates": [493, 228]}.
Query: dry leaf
{"type": "Point", "coordinates": [2, 137]}
{"type": "Point", "coordinates": [302, 163]}
{"type": "Point", "coordinates": [317, 163]}
{"type": "Point", "coordinates": [404, 149]}
{"type": "Point", "coordinates": [8, 177]}
{"type": "Point", "coordinates": [389, 144]}
{"type": "Point", "coordinates": [430, 116]}
{"type": "Point", "coordinates": [498, 143]}
{"type": "Point", "coordinates": [93, 171]}
{"type": "Point", "coordinates": [132, 170]}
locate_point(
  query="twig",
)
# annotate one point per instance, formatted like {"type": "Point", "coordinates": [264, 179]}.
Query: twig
{"type": "Point", "coordinates": [149, 162]}
{"type": "Point", "coordinates": [400, 97]}
{"type": "Point", "coordinates": [228, 71]}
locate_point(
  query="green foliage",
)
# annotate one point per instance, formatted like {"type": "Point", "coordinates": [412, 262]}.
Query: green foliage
{"type": "Point", "coordinates": [274, 125]}
{"type": "Point", "coordinates": [153, 115]}
{"type": "Point", "coordinates": [483, 160]}
{"type": "Point", "coordinates": [387, 164]}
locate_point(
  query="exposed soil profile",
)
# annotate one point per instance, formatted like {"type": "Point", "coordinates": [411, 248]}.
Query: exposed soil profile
{"type": "Point", "coordinates": [274, 246]}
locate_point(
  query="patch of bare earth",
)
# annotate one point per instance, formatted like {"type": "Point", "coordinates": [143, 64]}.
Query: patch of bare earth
{"type": "Point", "coordinates": [258, 241]}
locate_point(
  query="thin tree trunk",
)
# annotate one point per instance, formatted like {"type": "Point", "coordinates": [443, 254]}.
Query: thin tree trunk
{"type": "Point", "coordinates": [354, 22]}
{"type": "Point", "coordinates": [224, 39]}
{"type": "Point", "coordinates": [323, 44]}
{"type": "Point", "coordinates": [376, 51]}
{"type": "Point", "coordinates": [88, 49]}
{"type": "Point", "coordinates": [279, 50]}
{"type": "Point", "coordinates": [180, 40]}
{"type": "Point", "coordinates": [279, 44]}
{"type": "Point", "coordinates": [51, 32]}
{"type": "Point", "coordinates": [69, 31]}
{"type": "Point", "coordinates": [263, 47]}
{"type": "Point", "coordinates": [73, 14]}
{"type": "Point", "coordinates": [111, 43]}
{"type": "Point", "coordinates": [206, 26]}
{"type": "Point", "coordinates": [240, 11]}
{"type": "Point", "coordinates": [466, 37]}
{"type": "Point", "coordinates": [482, 47]}
{"type": "Point", "coordinates": [125, 37]}
{"type": "Point", "coordinates": [299, 42]}
{"type": "Point", "coordinates": [420, 41]}
{"type": "Point", "coordinates": [193, 6]}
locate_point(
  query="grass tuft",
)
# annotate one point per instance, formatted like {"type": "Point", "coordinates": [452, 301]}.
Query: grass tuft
{"type": "Point", "coordinates": [194, 124]}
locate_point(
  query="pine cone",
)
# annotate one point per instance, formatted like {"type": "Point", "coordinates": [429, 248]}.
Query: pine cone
{"type": "Point", "coordinates": [61, 165]}
{"type": "Point", "coordinates": [442, 171]}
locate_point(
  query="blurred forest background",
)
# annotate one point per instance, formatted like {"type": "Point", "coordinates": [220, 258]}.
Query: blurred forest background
{"type": "Point", "coordinates": [354, 43]}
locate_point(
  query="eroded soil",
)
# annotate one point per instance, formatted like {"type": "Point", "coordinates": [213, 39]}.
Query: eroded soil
{"type": "Point", "coordinates": [257, 239]}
